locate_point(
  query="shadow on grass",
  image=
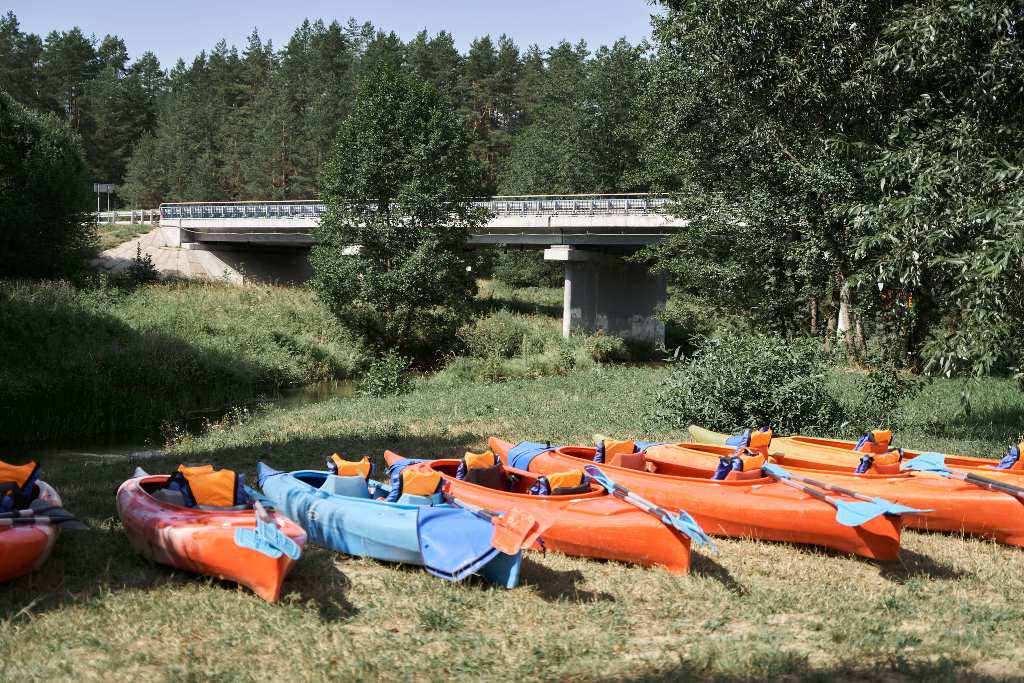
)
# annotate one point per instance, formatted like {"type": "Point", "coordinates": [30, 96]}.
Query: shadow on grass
{"type": "Point", "coordinates": [494, 303]}
{"type": "Point", "coordinates": [316, 579]}
{"type": "Point", "coordinates": [914, 565]}
{"type": "Point", "coordinates": [703, 565]}
{"type": "Point", "coordinates": [794, 666]}
{"type": "Point", "coordinates": [68, 368]}
{"type": "Point", "coordinates": [553, 585]}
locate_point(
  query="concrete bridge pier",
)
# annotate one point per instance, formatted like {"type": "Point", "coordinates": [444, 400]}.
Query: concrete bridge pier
{"type": "Point", "coordinates": [606, 292]}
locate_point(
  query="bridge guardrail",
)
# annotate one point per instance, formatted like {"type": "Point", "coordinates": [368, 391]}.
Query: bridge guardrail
{"type": "Point", "coordinates": [531, 205]}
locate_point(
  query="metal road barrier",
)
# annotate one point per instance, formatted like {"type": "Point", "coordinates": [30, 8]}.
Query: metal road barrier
{"type": "Point", "coordinates": [527, 205]}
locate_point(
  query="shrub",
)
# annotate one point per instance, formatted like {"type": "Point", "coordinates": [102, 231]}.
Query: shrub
{"type": "Point", "coordinates": [388, 375]}
{"type": "Point", "coordinates": [749, 380]}
{"type": "Point", "coordinates": [605, 349]}
{"type": "Point", "coordinates": [141, 270]}
{"type": "Point", "coordinates": [500, 335]}
{"type": "Point", "coordinates": [44, 196]}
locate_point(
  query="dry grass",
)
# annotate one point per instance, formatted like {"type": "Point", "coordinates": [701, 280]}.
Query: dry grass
{"type": "Point", "coordinates": [950, 610]}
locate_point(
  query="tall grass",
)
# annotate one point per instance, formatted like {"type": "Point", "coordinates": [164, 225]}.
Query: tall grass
{"type": "Point", "coordinates": [77, 362]}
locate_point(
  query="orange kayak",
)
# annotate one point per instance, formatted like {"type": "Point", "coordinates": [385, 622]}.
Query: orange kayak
{"type": "Point", "coordinates": [841, 455]}
{"type": "Point", "coordinates": [592, 524]}
{"type": "Point", "coordinates": [201, 541]}
{"type": "Point", "coordinates": [955, 506]}
{"type": "Point", "coordinates": [757, 507]}
{"type": "Point", "coordinates": [23, 549]}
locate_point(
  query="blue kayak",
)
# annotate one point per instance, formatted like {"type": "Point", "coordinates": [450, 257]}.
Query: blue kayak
{"type": "Point", "coordinates": [339, 513]}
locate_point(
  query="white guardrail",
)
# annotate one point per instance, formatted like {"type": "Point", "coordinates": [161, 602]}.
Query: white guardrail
{"type": "Point", "coordinates": [128, 217]}
{"type": "Point", "coordinates": [531, 205]}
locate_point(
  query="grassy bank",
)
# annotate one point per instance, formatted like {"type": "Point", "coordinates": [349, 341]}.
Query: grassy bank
{"type": "Point", "coordinates": [948, 611]}
{"type": "Point", "coordinates": [76, 362]}
{"type": "Point", "coordinates": [112, 234]}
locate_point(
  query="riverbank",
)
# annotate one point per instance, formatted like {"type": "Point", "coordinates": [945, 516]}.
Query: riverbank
{"type": "Point", "coordinates": [113, 360]}
{"type": "Point", "coordinates": [756, 611]}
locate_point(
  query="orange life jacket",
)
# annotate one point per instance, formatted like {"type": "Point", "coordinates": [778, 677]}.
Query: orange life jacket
{"type": "Point", "coordinates": [417, 481]}
{"type": "Point", "coordinates": [347, 468]}
{"type": "Point", "coordinates": [876, 443]}
{"type": "Point", "coordinates": [566, 483]}
{"type": "Point", "coordinates": [16, 485]}
{"type": "Point", "coordinates": [203, 485]}
{"type": "Point", "coordinates": [484, 469]}
{"type": "Point", "coordinates": [760, 441]}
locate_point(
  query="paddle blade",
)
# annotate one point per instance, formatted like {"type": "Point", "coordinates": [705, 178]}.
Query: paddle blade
{"type": "Point", "coordinates": [927, 462]}
{"type": "Point", "coordinates": [776, 471]}
{"type": "Point", "coordinates": [689, 526]}
{"type": "Point", "coordinates": [272, 534]}
{"type": "Point", "coordinates": [514, 531]}
{"type": "Point", "coordinates": [856, 514]}
{"type": "Point", "coordinates": [58, 515]}
{"type": "Point", "coordinates": [248, 538]}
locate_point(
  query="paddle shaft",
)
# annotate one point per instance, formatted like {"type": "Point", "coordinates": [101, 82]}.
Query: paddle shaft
{"type": "Point", "coordinates": [832, 487]}
{"type": "Point", "coordinates": [30, 521]}
{"type": "Point", "coordinates": [987, 483]}
{"type": "Point", "coordinates": [806, 489]}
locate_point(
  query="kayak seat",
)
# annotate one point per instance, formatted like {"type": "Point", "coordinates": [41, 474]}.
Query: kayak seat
{"type": "Point", "coordinates": [353, 486]}
{"type": "Point", "coordinates": [570, 483]}
{"type": "Point", "coordinates": [484, 469]}
{"type": "Point", "coordinates": [630, 461]}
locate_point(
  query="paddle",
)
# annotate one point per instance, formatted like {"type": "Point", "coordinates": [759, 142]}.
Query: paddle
{"type": "Point", "coordinates": [847, 513]}
{"type": "Point", "coordinates": [42, 512]}
{"type": "Point", "coordinates": [682, 522]}
{"type": "Point", "coordinates": [935, 463]}
{"type": "Point", "coordinates": [890, 508]}
{"type": "Point", "coordinates": [267, 537]}
{"type": "Point", "coordinates": [513, 530]}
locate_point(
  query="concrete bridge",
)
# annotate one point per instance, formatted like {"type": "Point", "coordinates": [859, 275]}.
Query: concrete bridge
{"type": "Point", "coordinates": [590, 234]}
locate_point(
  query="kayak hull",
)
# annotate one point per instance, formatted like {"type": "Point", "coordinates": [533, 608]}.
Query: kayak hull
{"type": "Point", "coordinates": [592, 524]}
{"type": "Point", "coordinates": [753, 508]}
{"type": "Point", "coordinates": [956, 506]}
{"type": "Point", "coordinates": [24, 549]}
{"type": "Point", "coordinates": [391, 532]}
{"type": "Point", "coordinates": [201, 541]}
{"type": "Point", "coordinates": [840, 455]}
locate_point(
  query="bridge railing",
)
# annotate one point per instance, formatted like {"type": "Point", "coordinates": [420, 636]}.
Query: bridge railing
{"type": "Point", "coordinates": [526, 205]}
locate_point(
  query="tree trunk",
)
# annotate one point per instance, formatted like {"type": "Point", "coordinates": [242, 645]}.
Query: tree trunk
{"type": "Point", "coordinates": [861, 341]}
{"type": "Point", "coordinates": [814, 316]}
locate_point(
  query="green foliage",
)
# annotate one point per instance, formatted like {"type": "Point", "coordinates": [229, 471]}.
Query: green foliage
{"type": "Point", "coordinates": [946, 234]}
{"type": "Point", "coordinates": [501, 335]}
{"type": "Point", "coordinates": [396, 185]}
{"type": "Point", "coordinates": [526, 268]}
{"type": "Point", "coordinates": [749, 381]}
{"type": "Point", "coordinates": [388, 375]}
{"type": "Point", "coordinates": [141, 270]}
{"type": "Point", "coordinates": [605, 349]}
{"type": "Point", "coordinates": [749, 119]}
{"type": "Point", "coordinates": [580, 137]}
{"type": "Point", "coordinates": [44, 196]}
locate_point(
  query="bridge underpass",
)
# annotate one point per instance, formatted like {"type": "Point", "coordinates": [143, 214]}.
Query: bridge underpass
{"type": "Point", "coordinates": [590, 234]}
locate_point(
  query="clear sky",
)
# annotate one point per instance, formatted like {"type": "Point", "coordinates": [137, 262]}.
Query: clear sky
{"type": "Point", "coordinates": [182, 28]}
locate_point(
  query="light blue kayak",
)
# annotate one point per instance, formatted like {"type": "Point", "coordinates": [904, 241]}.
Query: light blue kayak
{"type": "Point", "coordinates": [339, 513]}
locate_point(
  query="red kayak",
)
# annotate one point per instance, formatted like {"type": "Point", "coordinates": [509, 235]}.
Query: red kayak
{"type": "Point", "coordinates": [587, 524]}
{"type": "Point", "coordinates": [201, 541]}
{"type": "Point", "coordinates": [23, 549]}
{"type": "Point", "coordinates": [749, 507]}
